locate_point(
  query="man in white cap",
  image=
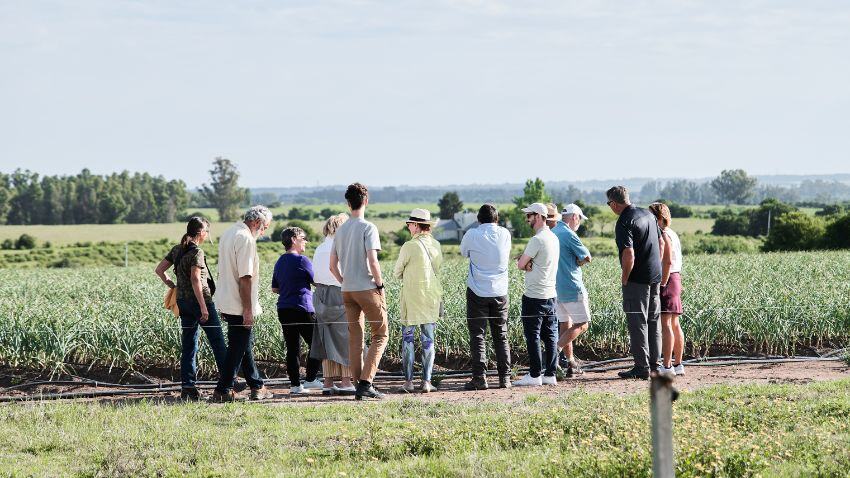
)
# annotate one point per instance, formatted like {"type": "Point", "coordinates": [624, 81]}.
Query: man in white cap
{"type": "Point", "coordinates": [573, 308]}
{"type": "Point", "coordinates": [539, 323]}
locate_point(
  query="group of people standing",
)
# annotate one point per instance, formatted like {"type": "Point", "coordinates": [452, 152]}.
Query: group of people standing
{"type": "Point", "coordinates": [326, 302]}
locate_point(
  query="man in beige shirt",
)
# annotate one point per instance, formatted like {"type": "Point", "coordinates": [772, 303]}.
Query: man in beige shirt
{"type": "Point", "coordinates": [238, 301]}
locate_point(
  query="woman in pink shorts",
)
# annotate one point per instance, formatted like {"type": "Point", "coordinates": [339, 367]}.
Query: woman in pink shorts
{"type": "Point", "coordinates": [672, 337]}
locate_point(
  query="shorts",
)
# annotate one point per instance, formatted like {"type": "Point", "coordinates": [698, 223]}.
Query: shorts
{"type": "Point", "coordinates": [671, 296]}
{"type": "Point", "coordinates": [577, 312]}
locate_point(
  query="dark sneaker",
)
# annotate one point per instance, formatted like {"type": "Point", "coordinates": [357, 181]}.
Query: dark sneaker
{"type": "Point", "coordinates": [366, 390]}
{"type": "Point", "coordinates": [261, 393]}
{"type": "Point", "coordinates": [563, 361]}
{"type": "Point", "coordinates": [477, 383]}
{"type": "Point", "coordinates": [239, 386]}
{"type": "Point", "coordinates": [635, 373]}
{"type": "Point", "coordinates": [505, 382]}
{"type": "Point", "coordinates": [190, 394]}
{"type": "Point", "coordinates": [225, 397]}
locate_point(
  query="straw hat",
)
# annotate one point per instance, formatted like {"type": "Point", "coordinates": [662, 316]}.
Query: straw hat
{"type": "Point", "coordinates": [420, 216]}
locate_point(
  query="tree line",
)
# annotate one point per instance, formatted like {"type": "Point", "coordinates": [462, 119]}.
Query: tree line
{"type": "Point", "coordinates": [86, 198]}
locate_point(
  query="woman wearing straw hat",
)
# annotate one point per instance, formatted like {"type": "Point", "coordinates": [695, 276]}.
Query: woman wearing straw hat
{"type": "Point", "coordinates": [421, 295]}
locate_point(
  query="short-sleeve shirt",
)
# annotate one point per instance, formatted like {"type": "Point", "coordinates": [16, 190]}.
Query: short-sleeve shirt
{"type": "Point", "coordinates": [293, 276]}
{"type": "Point", "coordinates": [543, 251]}
{"type": "Point", "coordinates": [189, 258]}
{"type": "Point", "coordinates": [322, 262]}
{"type": "Point", "coordinates": [637, 228]}
{"type": "Point", "coordinates": [569, 281]}
{"type": "Point", "coordinates": [353, 238]}
{"type": "Point", "coordinates": [237, 257]}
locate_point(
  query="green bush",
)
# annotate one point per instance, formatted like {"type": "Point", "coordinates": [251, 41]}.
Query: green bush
{"type": "Point", "coordinates": [7, 244]}
{"type": "Point", "coordinates": [795, 231]}
{"type": "Point", "coordinates": [705, 244]}
{"type": "Point", "coordinates": [729, 223]}
{"type": "Point", "coordinates": [837, 234]}
{"type": "Point", "coordinates": [25, 242]}
{"type": "Point", "coordinates": [312, 235]}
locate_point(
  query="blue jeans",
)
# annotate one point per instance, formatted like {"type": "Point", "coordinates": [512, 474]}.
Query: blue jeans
{"type": "Point", "coordinates": [240, 354]}
{"type": "Point", "coordinates": [426, 340]}
{"type": "Point", "coordinates": [539, 324]}
{"type": "Point", "coordinates": [190, 313]}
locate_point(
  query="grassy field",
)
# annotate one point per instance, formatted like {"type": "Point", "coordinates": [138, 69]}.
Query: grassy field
{"type": "Point", "coordinates": [113, 316]}
{"type": "Point", "coordinates": [725, 431]}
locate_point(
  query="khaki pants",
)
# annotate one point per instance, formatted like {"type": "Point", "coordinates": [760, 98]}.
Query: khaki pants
{"type": "Point", "coordinates": [373, 305]}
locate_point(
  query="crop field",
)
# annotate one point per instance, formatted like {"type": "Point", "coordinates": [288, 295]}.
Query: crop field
{"type": "Point", "coordinates": [110, 316]}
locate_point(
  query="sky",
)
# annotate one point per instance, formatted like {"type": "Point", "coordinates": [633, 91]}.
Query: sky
{"type": "Point", "coordinates": [305, 93]}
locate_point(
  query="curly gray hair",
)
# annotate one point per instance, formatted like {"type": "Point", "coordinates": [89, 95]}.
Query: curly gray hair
{"type": "Point", "coordinates": [258, 213]}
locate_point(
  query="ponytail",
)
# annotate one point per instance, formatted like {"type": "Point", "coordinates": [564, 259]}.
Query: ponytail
{"type": "Point", "coordinates": [194, 227]}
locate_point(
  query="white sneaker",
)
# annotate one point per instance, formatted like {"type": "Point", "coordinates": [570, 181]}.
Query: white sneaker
{"type": "Point", "coordinates": [547, 380]}
{"type": "Point", "coordinates": [314, 385]}
{"type": "Point", "coordinates": [408, 387]}
{"type": "Point", "coordinates": [666, 371]}
{"type": "Point", "coordinates": [350, 388]}
{"type": "Point", "coordinates": [679, 369]}
{"type": "Point", "coordinates": [528, 381]}
{"type": "Point", "coordinates": [297, 390]}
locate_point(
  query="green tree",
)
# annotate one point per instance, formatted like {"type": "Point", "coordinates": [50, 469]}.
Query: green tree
{"type": "Point", "coordinates": [734, 186]}
{"type": "Point", "coordinates": [223, 192]}
{"type": "Point", "coordinates": [5, 196]}
{"type": "Point", "coordinates": [449, 204]}
{"type": "Point", "coordinates": [534, 191]}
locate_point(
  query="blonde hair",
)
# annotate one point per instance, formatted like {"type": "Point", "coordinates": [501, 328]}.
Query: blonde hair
{"type": "Point", "coordinates": [333, 223]}
{"type": "Point", "coordinates": [662, 213]}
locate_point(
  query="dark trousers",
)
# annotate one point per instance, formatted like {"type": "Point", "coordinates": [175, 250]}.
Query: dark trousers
{"type": "Point", "coordinates": [642, 305]}
{"type": "Point", "coordinates": [540, 325]}
{"type": "Point", "coordinates": [481, 311]}
{"type": "Point", "coordinates": [298, 324]}
{"type": "Point", "coordinates": [240, 344]}
{"type": "Point", "coordinates": [190, 312]}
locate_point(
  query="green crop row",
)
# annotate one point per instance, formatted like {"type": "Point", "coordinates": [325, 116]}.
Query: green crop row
{"type": "Point", "coordinates": [113, 316]}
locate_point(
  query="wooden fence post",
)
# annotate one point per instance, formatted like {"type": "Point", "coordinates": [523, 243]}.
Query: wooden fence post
{"type": "Point", "coordinates": [661, 397]}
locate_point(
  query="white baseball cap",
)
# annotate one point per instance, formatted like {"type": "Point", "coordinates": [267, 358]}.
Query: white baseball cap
{"type": "Point", "coordinates": [573, 209]}
{"type": "Point", "coordinates": [538, 208]}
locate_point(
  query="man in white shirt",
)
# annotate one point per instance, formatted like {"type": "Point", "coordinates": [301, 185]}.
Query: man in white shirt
{"type": "Point", "coordinates": [539, 323]}
{"type": "Point", "coordinates": [238, 302]}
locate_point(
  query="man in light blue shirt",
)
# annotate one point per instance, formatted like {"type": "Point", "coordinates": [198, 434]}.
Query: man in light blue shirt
{"type": "Point", "coordinates": [573, 308]}
{"type": "Point", "coordinates": [488, 248]}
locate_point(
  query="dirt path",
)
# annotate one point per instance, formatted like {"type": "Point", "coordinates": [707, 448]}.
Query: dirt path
{"type": "Point", "coordinates": [451, 388]}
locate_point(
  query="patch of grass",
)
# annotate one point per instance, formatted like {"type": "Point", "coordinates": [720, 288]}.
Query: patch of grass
{"type": "Point", "coordinates": [721, 431]}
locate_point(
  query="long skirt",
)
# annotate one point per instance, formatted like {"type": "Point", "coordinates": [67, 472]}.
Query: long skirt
{"type": "Point", "coordinates": [330, 336]}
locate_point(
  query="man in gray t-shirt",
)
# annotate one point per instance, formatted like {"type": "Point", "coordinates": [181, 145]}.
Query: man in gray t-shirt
{"type": "Point", "coordinates": [356, 246]}
{"type": "Point", "coordinates": [352, 240]}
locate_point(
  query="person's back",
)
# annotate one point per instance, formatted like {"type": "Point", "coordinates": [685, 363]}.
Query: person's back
{"type": "Point", "coordinates": [569, 279]}
{"type": "Point", "coordinates": [543, 250]}
{"type": "Point", "coordinates": [488, 248]}
{"type": "Point", "coordinates": [352, 240]}
{"type": "Point", "coordinates": [636, 228]}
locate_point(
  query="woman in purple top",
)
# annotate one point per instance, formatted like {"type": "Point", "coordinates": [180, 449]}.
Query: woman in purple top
{"type": "Point", "coordinates": [292, 278]}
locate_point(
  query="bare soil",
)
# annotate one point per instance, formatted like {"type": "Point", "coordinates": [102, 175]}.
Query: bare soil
{"type": "Point", "coordinates": [451, 388]}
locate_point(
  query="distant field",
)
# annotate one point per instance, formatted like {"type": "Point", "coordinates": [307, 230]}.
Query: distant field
{"type": "Point", "coordinates": [378, 208]}
{"type": "Point", "coordinates": [71, 234]}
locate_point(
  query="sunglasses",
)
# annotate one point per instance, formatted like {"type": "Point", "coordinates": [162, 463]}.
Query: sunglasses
{"type": "Point", "coordinates": [609, 203]}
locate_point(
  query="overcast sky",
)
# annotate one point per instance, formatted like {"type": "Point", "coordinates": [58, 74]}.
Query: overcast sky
{"type": "Point", "coordinates": [431, 92]}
